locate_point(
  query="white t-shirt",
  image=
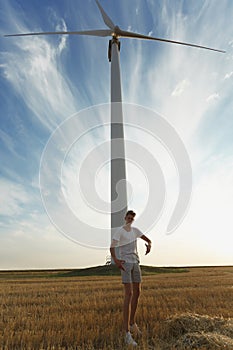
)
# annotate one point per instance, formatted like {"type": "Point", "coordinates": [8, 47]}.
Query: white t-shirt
{"type": "Point", "coordinates": [127, 243]}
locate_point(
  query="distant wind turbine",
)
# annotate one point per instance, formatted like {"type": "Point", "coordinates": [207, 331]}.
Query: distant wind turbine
{"type": "Point", "coordinates": [118, 173]}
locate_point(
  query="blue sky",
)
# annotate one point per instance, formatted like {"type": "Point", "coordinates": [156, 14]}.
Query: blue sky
{"type": "Point", "coordinates": [45, 80]}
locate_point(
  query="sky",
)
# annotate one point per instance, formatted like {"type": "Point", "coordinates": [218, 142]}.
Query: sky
{"type": "Point", "coordinates": [48, 80]}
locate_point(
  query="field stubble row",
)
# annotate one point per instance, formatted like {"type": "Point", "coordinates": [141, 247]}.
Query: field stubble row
{"type": "Point", "coordinates": [86, 313]}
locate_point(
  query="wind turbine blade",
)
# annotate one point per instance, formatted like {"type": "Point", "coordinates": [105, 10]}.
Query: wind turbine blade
{"type": "Point", "coordinates": [125, 34]}
{"type": "Point", "coordinates": [104, 32]}
{"type": "Point", "coordinates": [98, 32]}
{"type": "Point", "coordinates": [106, 18]}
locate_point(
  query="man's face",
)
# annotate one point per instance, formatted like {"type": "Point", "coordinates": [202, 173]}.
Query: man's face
{"type": "Point", "coordinates": [129, 219]}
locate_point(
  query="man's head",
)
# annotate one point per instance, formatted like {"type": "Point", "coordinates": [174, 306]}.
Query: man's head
{"type": "Point", "coordinates": [129, 216]}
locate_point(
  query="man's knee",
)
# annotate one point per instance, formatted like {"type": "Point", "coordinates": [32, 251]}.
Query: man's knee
{"type": "Point", "coordinates": [136, 289]}
{"type": "Point", "coordinates": [128, 290]}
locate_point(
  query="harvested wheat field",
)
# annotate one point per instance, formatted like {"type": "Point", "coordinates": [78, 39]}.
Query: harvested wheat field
{"type": "Point", "coordinates": [185, 310]}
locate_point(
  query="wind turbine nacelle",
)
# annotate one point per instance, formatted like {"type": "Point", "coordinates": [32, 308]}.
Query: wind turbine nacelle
{"type": "Point", "coordinates": [117, 30]}
{"type": "Point", "coordinates": [110, 47]}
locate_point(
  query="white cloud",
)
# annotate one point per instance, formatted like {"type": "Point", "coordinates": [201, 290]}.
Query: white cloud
{"type": "Point", "coordinates": [180, 87]}
{"type": "Point", "coordinates": [37, 244]}
{"type": "Point", "coordinates": [13, 197]}
{"type": "Point", "coordinates": [63, 39]}
{"type": "Point", "coordinates": [213, 97]}
{"type": "Point", "coordinates": [33, 69]}
{"type": "Point", "coordinates": [8, 141]}
{"type": "Point", "coordinates": [228, 75]}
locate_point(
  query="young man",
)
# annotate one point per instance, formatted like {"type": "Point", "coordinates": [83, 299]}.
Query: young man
{"type": "Point", "coordinates": [128, 262]}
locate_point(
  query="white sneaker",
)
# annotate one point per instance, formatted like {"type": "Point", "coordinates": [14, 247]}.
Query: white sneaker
{"type": "Point", "coordinates": [129, 340]}
{"type": "Point", "coordinates": [135, 330]}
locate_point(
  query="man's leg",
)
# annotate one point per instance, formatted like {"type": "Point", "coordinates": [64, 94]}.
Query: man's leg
{"type": "Point", "coordinates": [127, 305]}
{"type": "Point", "coordinates": [134, 302]}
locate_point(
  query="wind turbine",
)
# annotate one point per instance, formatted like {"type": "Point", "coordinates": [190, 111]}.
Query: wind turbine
{"type": "Point", "coordinates": [118, 172]}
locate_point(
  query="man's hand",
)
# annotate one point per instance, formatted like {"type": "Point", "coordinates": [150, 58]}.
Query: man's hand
{"type": "Point", "coordinates": [148, 243]}
{"type": "Point", "coordinates": [148, 248]}
{"type": "Point", "coordinates": [119, 263]}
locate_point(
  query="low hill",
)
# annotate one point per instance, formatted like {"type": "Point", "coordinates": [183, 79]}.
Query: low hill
{"type": "Point", "coordinates": [102, 270]}
{"type": "Point", "coordinates": [112, 270]}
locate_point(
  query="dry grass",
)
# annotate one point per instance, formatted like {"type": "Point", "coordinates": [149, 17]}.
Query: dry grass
{"type": "Point", "coordinates": [193, 331]}
{"type": "Point", "coordinates": [176, 311]}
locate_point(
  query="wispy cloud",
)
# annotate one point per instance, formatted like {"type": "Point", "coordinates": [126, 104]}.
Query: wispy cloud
{"type": "Point", "coordinates": [180, 87]}
{"type": "Point", "coordinates": [32, 65]}
{"type": "Point", "coordinates": [32, 70]}
{"type": "Point", "coordinates": [213, 97]}
{"type": "Point", "coordinates": [8, 142]}
{"type": "Point", "coordinates": [14, 197]}
{"type": "Point", "coordinates": [228, 75]}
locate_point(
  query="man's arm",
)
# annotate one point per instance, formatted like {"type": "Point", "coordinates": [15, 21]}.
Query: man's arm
{"type": "Point", "coordinates": [148, 246]}
{"type": "Point", "coordinates": [118, 262]}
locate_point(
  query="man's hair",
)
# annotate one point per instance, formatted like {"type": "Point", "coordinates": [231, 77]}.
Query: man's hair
{"type": "Point", "coordinates": [130, 212]}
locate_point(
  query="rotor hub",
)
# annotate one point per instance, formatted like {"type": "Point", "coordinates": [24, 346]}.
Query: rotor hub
{"type": "Point", "coordinates": [116, 33]}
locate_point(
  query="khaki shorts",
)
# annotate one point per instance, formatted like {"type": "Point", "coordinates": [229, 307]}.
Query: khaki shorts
{"type": "Point", "coordinates": [132, 273]}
